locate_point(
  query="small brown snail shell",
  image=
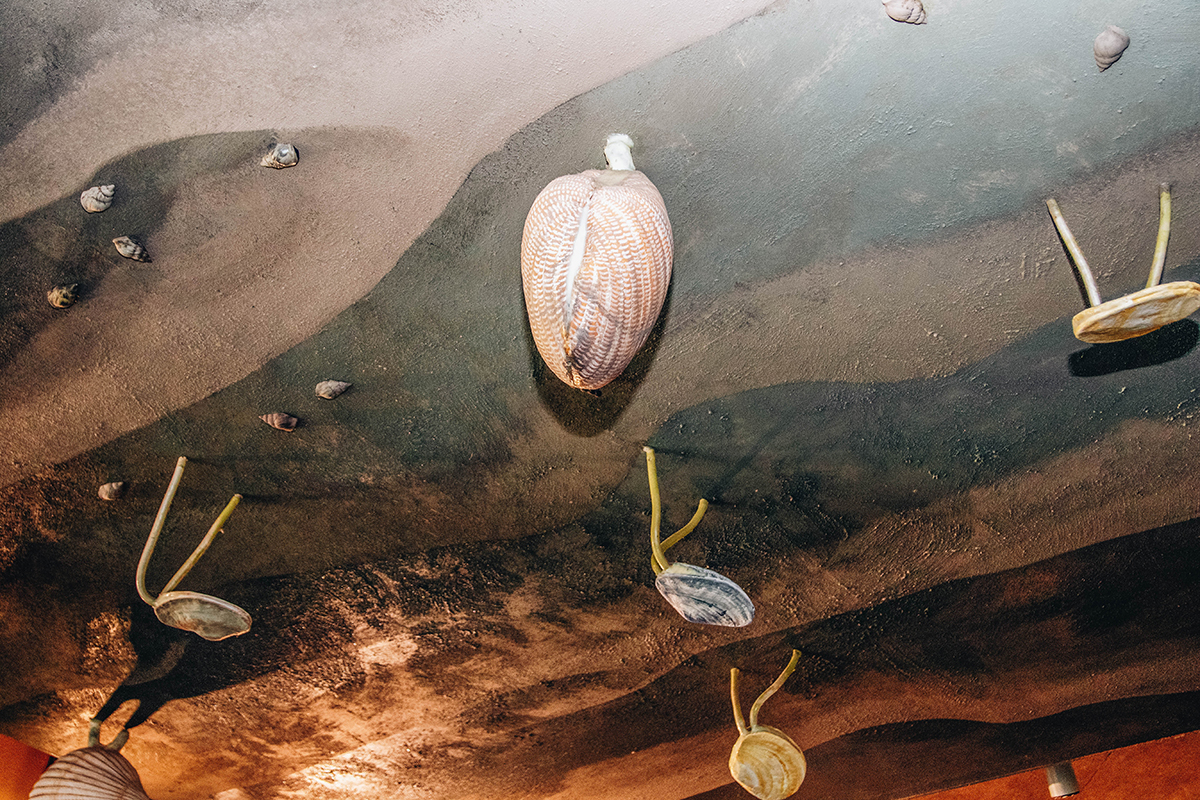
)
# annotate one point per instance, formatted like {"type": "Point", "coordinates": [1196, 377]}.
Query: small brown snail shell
{"type": "Point", "coordinates": [97, 198]}
{"type": "Point", "coordinates": [910, 11]}
{"type": "Point", "coordinates": [63, 296]}
{"type": "Point", "coordinates": [331, 389]}
{"type": "Point", "coordinates": [112, 491]}
{"type": "Point", "coordinates": [764, 760]}
{"type": "Point", "coordinates": [596, 257]}
{"type": "Point", "coordinates": [280, 156]}
{"type": "Point", "coordinates": [1109, 46]}
{"type": "Point", "coordinates": [284, 422]}
{"type": "Point", "coordinates": [130, 248]}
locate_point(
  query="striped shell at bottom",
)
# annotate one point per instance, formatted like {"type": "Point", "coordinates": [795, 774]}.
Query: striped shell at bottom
{"type": "Point", "coordinates": [703, 596]}
{"type": "Point", "coordinates": [767, 763]}
{"type": "Point", "coordinates": [595, 265]}
{"type": "Point", "coordinates": [93, 773]}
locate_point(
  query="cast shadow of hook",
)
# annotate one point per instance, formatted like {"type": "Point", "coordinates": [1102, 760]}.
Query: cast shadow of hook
{"type": "Point", "coordinates": [591, 413]}
{"type": "Point", "coordinates": [1157, 347]}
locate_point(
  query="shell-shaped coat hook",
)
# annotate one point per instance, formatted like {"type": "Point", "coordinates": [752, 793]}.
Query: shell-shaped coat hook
{"type": "Point", "coordinates": [595, 264]}
{"type": "Point", "coordinates": [281, 421]}
{"type": "Point", "coordinates": [63, 296]}
{"type": "Point", "coordinates": [97, 198]}
{"type": "Point", "coordinates": [111, 491]}
{"type": "Point", "coordinates": [95, 772]}
{"type": "Point", "coordinates": [130, 248]}
{"type": "Point", "coordinates": [699, 595]}
{"type": "Point", "coordinates": [331, 389]}
{"type": "Point", "coordinates": [1134, 314]}
{"type": "Point", "coordinates": [280, 156]}
{"type": "Point", "coordinates": [764, 760]}
{"type": "Point", "coordinates": [1109, 46]}
{"type": "Point", "coordinates": [209, 617]}
{"type": "Point", "coordinates": [910, 11]}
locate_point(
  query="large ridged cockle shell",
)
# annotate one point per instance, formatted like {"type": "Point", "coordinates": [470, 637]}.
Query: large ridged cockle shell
{"type": "Point", "coordinates": [704, 596]}
{"type": "Point", "coordinates": [595, 265]}
{"type": "Point", "coordinates": [63, 296]}
{"type": "Point", "coordinates": [767, 763]}
{"type": "Point", "coordinates": [280, 156]}
{"type": "Point", "coordinates": [1138, 313]}
{"type": "Point", "coordinates": [93, 773]}
{"type": "Point", "coordinates": [97, 198]}
{"type": "Point", "coordinates": [910, 11]}
{"type": "Point", "coordinates": [284, 422]}
{"type": "Point", "coordinates": [1109, 46]}
{"type": "Point", "coordinates": [130, 248]}
{"type": "Point", "coordinates": [331, 389]}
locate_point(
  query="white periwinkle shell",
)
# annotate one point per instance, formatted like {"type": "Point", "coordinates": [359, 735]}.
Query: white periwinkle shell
{"type": "Point", "coordinates": [63, 296]}
{"type": "Point", "coordinates": [97, 198]}
{"type": "Point", "coordinates": [130, 248]}
{"type": "Point", "coordinates": [331, 389]}
{"type": "Point", "coordinates": [1109, 46]}
{"type": "Point", "coordinates": [910, 11]}
{"type": "Point", "coordinates": [112, 491]}
{"type": "Point", "coordinates": [704, 596]}
{"type": "Point", "coordinates": [280, 156]}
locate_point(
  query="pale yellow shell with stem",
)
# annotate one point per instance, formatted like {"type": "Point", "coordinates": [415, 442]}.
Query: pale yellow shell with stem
{"type": "Point", "coordinates": [1134, 314]}
{"type": "Point", "coordinates": [764, 760]}
{"type": "Point", "coordinates": [596, 257]}
{"type": "Point", "coordinates": [1109, 46]}
{"type": "Point", "coordinates": [699, 594]}
{"type": "Point", "coordinates": [97, 198]}
{"type": "Point", "coordinates": [96, 772]}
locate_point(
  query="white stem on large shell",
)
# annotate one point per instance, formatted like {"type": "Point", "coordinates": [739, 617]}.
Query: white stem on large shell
{"type": "Point", "coordinates": [617, 151]}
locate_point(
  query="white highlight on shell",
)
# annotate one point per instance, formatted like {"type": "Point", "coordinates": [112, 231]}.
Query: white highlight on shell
{"type": "Point", "coordinates": [130, 248]}
{"type": "Point", "coordinates": [331, 389]}
{"type": "Point", "coordinates": [97, 198]}
{"type": "Point", "coordinates": [111, 491]}
{"type": "Point", "coordinates": [910, 11]}
{"type": "Point", "coordinates": [1110, 44]}
{"type": "Point", "coordinates": [280, 156]}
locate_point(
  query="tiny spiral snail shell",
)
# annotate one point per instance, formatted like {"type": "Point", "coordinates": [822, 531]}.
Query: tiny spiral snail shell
{"type": "Point", "coordinates": [1109, 46]}
{"type": "Point", "coordinates": [280, 156]}
{"type": "Point", "coordinates": [764, 760]}
{"type": "Point", "coordinates": [331, 389]}
{"type": "Point", "coordinates": [97, 198]}
{"type": "Point", "coordinates": [596, 257]}
{"type": "Point", "coordinates": [130, 248]}
{"type": "Point", "coordinates": [699, 595]}
{"type": "Point", "coordinates": [284, 422]}
{"type": "Point", "coordinates": [910, 11]}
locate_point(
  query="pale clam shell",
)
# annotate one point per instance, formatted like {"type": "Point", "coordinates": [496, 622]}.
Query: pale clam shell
{"type": "Point", "coordinates": [130, 248]}
{"type": "Point", "coordinates": [767, 763]}
{"type": "Point", "coordinates": [331, 389]}
{"type": "Point", "coordinates": [204, 615]}
{"type": "Point", "coordinates": [595, 265]}
{"type": "Point", "coordinates": [280, 156]}
{"type": "Point", "coordinates": [63, 296]}
{"type": "Point", "coordinates": [1138, 313]}
{"type": "Point", "coordinates": [284, 422]}
{"type": "Point", "coordinates": [910, 11]}
{"type": "Point", "coordinates": [111, 491]}
{"type": "Point", "coordinates": [97, 198]}
{"type": "Point", "coordinates": [93, 773]}
{"type": "Point", "coordinates": [704, 596]}
{"type": "Point", "coordinates": [1109, 45]}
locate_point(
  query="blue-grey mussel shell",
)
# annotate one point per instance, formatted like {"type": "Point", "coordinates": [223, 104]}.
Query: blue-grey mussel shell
{"type": "Point", "coordinates": [703, 596]}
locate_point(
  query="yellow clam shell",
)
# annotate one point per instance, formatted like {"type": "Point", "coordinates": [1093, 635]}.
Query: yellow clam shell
{"type": "Point", "coordinates": [767, 763]}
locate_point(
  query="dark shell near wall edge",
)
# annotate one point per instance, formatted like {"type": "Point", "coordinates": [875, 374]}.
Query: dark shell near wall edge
{"type": "Point", "coordinates": [281, 156]}
{"type": "Point", "coordinates": [703, 596]}
{"type": "Point", "coordinates": [284, 422]}
{"type": "Point", "coordinates": [130, 248]}
{"type": "Point", "coordinates": [63, 296]}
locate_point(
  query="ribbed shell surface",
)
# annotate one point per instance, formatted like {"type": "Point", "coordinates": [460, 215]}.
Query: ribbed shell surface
{"type": "Point", "coordinates": [704, 596]}
{"type": "Point", "coordinates": [588, 322]}
{"type": "Point", "coordinates": [93, 773]}
{"type": "Point", "coordinates": [767, 763]}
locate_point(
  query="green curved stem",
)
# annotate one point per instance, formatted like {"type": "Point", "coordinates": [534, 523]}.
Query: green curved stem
{"type": "Point", "coordinates": [737, 707]}
{"type": "Point", "coordinates": [658, 549]}
{"type": "Point", "coordinates": [1164, 233]}
{"type": "Point", "coordinates": [1081, 266]}
{"type": "Point", "coordinates": [678, 535]}
{"type": "Point", "coordinates": [773, 688]}
{"type": "Point", "coordinates": [182, 572]}
{"type": "Point", "coordinates": [156, 529]}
